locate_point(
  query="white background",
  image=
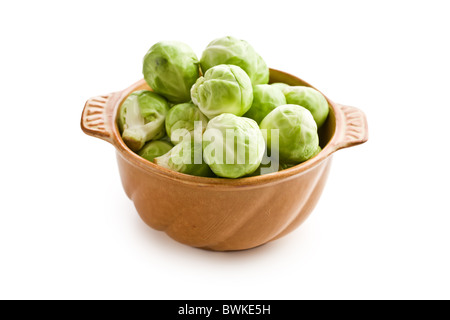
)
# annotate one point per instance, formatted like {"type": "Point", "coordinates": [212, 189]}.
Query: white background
{"type": "Point", "coordinates": [381, 229]}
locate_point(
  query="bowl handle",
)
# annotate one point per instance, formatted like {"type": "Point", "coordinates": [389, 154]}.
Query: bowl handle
{"type": "Point", "coordinates": [355, 130]}
{"type": "Point", "coordinates": [97, 117]}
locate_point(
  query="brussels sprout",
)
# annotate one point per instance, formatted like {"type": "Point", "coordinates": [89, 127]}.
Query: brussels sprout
{"type": "Point", "coordinates": [154, 149]}
{"type": "Point", "coordinates": [185, 157]}
{"type": "Point", "coordinates": [280, 85]}
{"type": "Point", "coordinates": [309, 98]}
{"type": "Point", "coordinates": [233, 146]}
{"type": "Point", "coordinates": [223, 89]}
{"type": "Point", "coordinates": [268, 165]}
{"type": "Point", "coordinates": [229, 50]}
{"type": "Point", "coordinates": [170, 69]}
{"type": "Point", "coordinates": [184, 116]}
{"type": "Point", "coordinates": [268, 168]}
{"type": "Point", "coordinates": [141, 118]}
{"type": "Point", "coordinates": [165, 138]}
{"type": "Point", "coordinates": [284, 166]}
{"type": "Point", "coordinates": [265, 99]}
{"type": "Point", "coordinates": [297, 132]}
{"type": "Point", "coordinates": [317, 152]}
{"type": "Point", "coordinates": [271, 165]}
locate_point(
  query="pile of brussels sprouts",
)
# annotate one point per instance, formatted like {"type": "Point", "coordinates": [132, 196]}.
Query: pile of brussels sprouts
{"type": "Point", "coordinates": [219, 117]}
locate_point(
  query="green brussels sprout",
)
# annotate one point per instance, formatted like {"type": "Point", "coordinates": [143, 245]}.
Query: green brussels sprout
{"type": "Point", "coordinates": [309, 98]}
{"type": "Point", "coordinates": [268, 165]}
{"type": "Point", "coordinates": [233, 146]}
{"type": "Point", "coordinates": [165, 138]}
{"type": "Point", "coordinates": [284, 166]}
{"type": "Point", "coordinates": [141, 118]}
{"type": "Point", "coordinates": [269, 168]}
{"type": "Point", "coordinates": [229, 50]}
{"type": "Point", "coordinates": [184, 116]}
{"type": "Point", "coordinates": [186, 157]}
{"type": "Point", "coordinates": [280, 85]}
{"type": "Point", "coordinates": [154, 149]}
{"type": "Point", "coordinates": [271, 165]}
{"type": "Point", "coordinates": [296, 136]}
{"type": "Point", "coordinates": [317, 152]}
{"type": "Point", "coordinates": [265, 99]}
{"type": "Point", "coordinates": [170, 69]}
{"type": "Point", "coordinates": [223, 89]}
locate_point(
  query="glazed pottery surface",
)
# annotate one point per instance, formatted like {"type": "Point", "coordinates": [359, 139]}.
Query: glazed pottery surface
{"type": "Point", "coordinates": [224, 214]}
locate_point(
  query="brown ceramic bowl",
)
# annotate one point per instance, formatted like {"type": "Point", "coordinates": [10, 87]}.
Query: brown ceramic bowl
{"type": "Point", "coordinates": [224, 214]}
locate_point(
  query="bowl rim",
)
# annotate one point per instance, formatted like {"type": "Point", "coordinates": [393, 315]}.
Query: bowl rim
{"type": "Point", "coordinates": [276, 177]}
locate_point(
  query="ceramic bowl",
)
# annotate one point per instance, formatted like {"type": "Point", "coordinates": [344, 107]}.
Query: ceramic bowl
{"type": "Point", "coordinates": [224, 214]}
